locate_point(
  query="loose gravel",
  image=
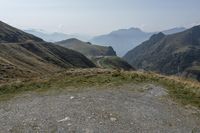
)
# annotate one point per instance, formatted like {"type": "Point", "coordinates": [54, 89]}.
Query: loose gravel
{"type": "Point", "coordinates": [129, 108]}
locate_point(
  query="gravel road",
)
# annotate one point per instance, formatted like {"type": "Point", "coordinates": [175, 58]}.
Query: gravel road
{"type": "Point", "coordinates": [129, 108]}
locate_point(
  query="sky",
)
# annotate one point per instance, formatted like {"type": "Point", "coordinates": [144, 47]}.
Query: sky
{"type": "Point", "coordinates": [95, 17]}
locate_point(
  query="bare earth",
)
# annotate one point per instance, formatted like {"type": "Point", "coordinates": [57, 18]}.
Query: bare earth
{"type": "Point", "coordinates": [124, 109]}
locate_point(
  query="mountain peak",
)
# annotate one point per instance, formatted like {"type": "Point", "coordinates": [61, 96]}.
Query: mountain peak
{"type": "Point", "coordinates": [135, 29]}
{"type": "Point", "coordinates": [74, 40]}
{"type": "Point", "coordinates": [157, 37]}
{"type": "Point", "coordinates": [87, 48]}
{"type": "Point", "coordinates": [127, 31]}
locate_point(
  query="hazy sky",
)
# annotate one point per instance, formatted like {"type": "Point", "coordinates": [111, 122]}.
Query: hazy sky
{"type": "Point", "coordinates": [99, 16]}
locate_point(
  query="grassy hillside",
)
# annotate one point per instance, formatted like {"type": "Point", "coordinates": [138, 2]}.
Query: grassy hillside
{"type": "Point", "coordinates": [86, 48]}
{"type": "Point", "coordinates": [112, 62]}
{"type": "Point", "coordinates": [11, 34]}
{"type": "Point", "coordinates": [23, 55]}
{"type": "Point", "coordinates": [102, 56]}
{"type": "Point", "coordinates": [37, 58]}
{"type": "Point", "coordinates": [169, 54]}
{"type": "Point", "coordinates": [181, 90]}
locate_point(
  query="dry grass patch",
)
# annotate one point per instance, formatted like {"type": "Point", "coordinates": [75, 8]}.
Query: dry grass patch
{"type": "Point", "coordinates": [183, 90]}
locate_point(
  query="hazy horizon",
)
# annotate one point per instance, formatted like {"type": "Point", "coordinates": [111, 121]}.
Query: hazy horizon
{"type": "Point", "coordinates": [94, 17]}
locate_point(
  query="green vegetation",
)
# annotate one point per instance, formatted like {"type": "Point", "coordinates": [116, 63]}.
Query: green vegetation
{"type": "Point", "coordinates": [37, 58]}
{"type": "Point", "coordinates": [184, 91]}
{"type": "Point", "coordinates": [86, 48]}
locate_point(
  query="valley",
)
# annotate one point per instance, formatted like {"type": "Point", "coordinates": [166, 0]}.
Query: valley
{"type": "Point", "coordinates": [58, 83]}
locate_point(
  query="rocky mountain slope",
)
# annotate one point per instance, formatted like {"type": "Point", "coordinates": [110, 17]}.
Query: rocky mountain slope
{"type": "Point", "coordinates": [169, 54]}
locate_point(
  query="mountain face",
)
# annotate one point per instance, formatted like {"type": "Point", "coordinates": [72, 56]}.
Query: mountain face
{"type": "Point", "coordinates": [126, 39]}
{"type": "Point", "coordinates": [56, 36]}
{"type": "Point", "coordinates": [122, 40]}
{"type": "Point", "coordinates": [169, 54]}
{"type": "Point", "coordinates": [87, 48]}
{"type": "Point", "coordinates": [10, 34]}
{"type": "Point", "coordinates": [22, 54]}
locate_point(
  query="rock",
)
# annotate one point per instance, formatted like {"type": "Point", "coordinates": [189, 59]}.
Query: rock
{"type": "Point", "coordinates": [113, 119]}
{"type": "Point", "coordinates": [72, 97]}
{"type": "Point", "coordinates": [69, 124]}
{"type": "Point", "coordinates": [65, 119]}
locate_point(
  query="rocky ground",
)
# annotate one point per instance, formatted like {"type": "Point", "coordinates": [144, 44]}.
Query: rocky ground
{"type": "Point", "coordinates": [129, 108]}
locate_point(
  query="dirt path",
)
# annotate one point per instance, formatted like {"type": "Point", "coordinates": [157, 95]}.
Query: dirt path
{"type": "Point", "coordinates": [98, 63]}
{"type": "Point", "coordinates": [126, 109]}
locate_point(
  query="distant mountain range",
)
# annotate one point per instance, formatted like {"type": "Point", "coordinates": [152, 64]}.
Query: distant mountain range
{"type": "Point", "coordinates": [175, 52]}
{"type": "Point", "coordinates": [124, 40]}
{"type": "Point", "coordinates": [169, 54]}
{"type": "Point", "coordinates": [121, 40]}
{"type": "Point", "coordinates": [86, 48]}
{"type": "Point", "coordinates": [55, 36]}
{"type": "Point", "coordinates": [22, 54]}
